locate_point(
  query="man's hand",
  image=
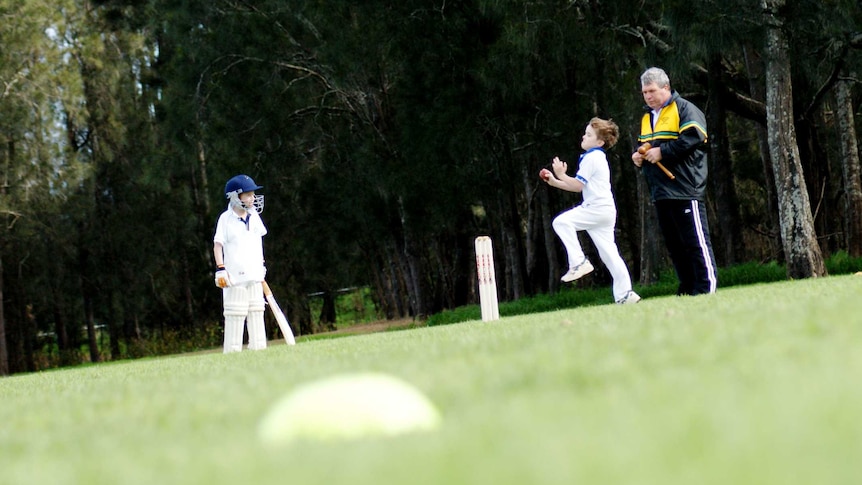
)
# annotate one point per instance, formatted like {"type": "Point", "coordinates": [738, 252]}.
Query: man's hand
{"type": "Point", "coordinates": [646, 152]}
{"type": "Point", "coordinates": [652, 155]}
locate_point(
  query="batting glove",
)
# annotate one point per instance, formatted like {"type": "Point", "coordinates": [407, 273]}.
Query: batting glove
{"type": "Point", "coordinates": [222, 279]}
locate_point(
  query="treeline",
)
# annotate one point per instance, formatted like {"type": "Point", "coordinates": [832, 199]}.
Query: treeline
{"type": "Point", "coordinates": [387, 136]}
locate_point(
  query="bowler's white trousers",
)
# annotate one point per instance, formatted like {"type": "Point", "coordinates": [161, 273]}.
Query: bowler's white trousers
{"type": "Point", "coordinates": [242, 301]}
{"type": "Point", "coordinates": [599, 223]}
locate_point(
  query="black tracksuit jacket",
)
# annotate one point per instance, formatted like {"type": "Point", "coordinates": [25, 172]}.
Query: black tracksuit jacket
{"type": "Point", "coordinates": [680, 131]}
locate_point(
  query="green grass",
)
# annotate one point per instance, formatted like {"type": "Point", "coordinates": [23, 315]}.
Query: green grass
{"type": "Point", "coordinates": [756, 384]}
{"type": "Point", "coordinates": [581, 294]}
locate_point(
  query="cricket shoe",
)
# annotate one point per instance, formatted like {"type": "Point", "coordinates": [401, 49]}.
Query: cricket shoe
{"type": "Point", "coordinates": [578, 271]}
{"type": "Point", "coordinates": [630, 297]}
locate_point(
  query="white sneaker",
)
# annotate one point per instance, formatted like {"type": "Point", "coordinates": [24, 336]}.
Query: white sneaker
{"type": "Point", "coordinates": [631, 297]}
{"type": "Point", "coordinates": [578, 271]}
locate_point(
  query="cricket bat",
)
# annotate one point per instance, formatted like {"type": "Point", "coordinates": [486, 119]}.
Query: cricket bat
{"type": "Point", "coordinates": [279, 315]}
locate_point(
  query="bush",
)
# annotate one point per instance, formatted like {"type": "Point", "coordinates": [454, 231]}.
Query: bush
{"type": "Point", "coordinates": [751, 273]}
{"type": "Point", "coordinates": [842, 263]}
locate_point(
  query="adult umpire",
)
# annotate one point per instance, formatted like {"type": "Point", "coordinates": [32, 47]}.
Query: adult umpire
{"type": "Point", "coordinates": [676, 130]}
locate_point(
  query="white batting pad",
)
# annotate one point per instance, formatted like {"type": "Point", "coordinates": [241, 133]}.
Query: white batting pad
{"type": "Point", "coordinates": [256, 327]}
{"type": "Point", "coordinates": [236, 307]}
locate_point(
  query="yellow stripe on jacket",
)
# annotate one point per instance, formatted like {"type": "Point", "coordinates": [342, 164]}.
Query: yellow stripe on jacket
{"type": "Point", "coordinates": [667, 127]}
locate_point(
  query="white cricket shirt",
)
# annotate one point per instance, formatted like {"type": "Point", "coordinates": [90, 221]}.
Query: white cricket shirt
{"type": "Point", "coordinates": [595, 174]}
{"type": "Point", "coordinates": [242, 240]}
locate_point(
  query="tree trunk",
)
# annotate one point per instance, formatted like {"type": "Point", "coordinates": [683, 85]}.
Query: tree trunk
{"type": "Point", "coordinates": [394, 282]}
{"type": "Point", "coordinates": [534, 230]}
{"type": "Point", "coordinates": [817, 173]}
{"type": "Point", "coordinates": [728, 230]}
{"type": "Point", "coordinates": [445, 259]}
{"type": "Point", "coordinates": [30, 330]}
{"type": "Point", "coordinates": [510, 250]}
{"type": "Point", "coordinates": [412, 267]}
{"type": "Point", "coordinates": [115, 323]}
{"type": "Point", "coordinates": [88, 296]}
{"type": "Point", "coordinates": [64, 345]}
{"type": "Point", "coordinates": [300, 319]}
{"type": "Point", "coordinates": [90, 321]}
{"type": "Point", "coordinates": [4, 351]}
{"type": "Point", "coordinates": [550, 238]}
{"type": "Point", "coordinates": [757, 84]}
{"type": "Point", "coordinates": [849, 150]}
{"type": "Point", "coordinates": [327, 311]}
{"type": "Point", "coordinates": [804, 258]}
{"type": "Point", "coordinates": [202, 200]}
{"type": "Point", "coordinates": [653, 258]}
{"type": "Point", "coordinates": [298, 312]}
{"type": "Point", "coordinates": [398, 279]}
{"type": "Point", "coordinates": [382, 288]}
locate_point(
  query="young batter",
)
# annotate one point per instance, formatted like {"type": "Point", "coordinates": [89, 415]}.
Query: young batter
{"type": "Point", "coordinates": [238, 252]}
{"type": "Point", "coordinates": [597, 213]}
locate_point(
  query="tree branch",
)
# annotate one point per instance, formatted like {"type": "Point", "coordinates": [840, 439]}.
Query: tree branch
{"type": "Point", "coordinates": [826, 87]}
{"type": "Point", "coordinates": [737, 102]}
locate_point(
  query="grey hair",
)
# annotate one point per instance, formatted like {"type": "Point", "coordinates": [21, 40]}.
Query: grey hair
{"type": "Point", "coordinates": [655, 75]}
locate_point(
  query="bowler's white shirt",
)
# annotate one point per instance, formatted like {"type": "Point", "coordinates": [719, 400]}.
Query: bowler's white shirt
{"type": "Point", "coordinates": [595, 174]}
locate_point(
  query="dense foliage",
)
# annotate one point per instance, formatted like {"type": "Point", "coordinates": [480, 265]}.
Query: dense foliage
{"type": "Point", "coordinates": [387, 136]}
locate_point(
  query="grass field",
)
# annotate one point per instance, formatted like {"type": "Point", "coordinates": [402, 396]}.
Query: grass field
{"type": "Point", "coordinates": [756, 384]}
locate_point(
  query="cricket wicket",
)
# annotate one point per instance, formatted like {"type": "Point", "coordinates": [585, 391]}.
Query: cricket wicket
{"type": "Point", "coordinates": [487, 279]}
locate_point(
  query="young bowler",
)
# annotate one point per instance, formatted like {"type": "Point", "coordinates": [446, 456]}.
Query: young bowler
{"type": "Point", "coordinates": [597, 213]}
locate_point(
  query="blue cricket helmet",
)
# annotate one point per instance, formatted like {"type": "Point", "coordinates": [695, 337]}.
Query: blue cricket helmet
{"type": "Point", "coordinates": [240, 184]}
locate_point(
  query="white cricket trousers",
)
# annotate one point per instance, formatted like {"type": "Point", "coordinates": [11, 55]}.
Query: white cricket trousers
{"type": "Point", "coordinates": [244, 302]}
{"type": "Point", "coordinates": [599, 223]}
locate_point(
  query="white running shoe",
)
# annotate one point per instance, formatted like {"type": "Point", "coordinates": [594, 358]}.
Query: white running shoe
{"type": "Point", "coordinates": [631, 297]}
{"type": "Point", "coordinates": [578, 271]}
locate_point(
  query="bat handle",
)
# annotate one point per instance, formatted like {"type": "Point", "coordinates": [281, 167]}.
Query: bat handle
{"type": "Point", "coordinates": [666, 171]}
{"type": "Point", "coordinates": [266, 290]}
{"type": "Point", "coordinates": [643, 149]}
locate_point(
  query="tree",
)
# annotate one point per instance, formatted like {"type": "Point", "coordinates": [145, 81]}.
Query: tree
{"type": "Point", "coordinates": [849, 150]}
{"type": "Point", "coordinates": [388, 135]}
{"type": "Point", "coordinates": [34, 174]}
{"type": "Point", "coordinates": [722, 178]}
{"type": "Point", "coordinates": [804, 258]}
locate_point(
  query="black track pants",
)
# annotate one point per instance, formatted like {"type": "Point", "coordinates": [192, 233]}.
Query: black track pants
{"type": "Point", "coordinates": [686, 234]}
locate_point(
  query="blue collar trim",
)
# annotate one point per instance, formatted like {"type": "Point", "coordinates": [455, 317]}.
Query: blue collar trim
{"type": "Point", "coordinates": [590, 150]}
